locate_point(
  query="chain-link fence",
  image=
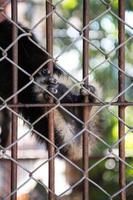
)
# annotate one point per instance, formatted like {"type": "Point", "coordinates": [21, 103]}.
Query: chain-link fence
{"type": "Point", "coordinates": [70, 107]}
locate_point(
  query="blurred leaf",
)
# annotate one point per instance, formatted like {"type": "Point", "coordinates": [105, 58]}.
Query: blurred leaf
{"type": "Point", "coordinates": [69, 4]}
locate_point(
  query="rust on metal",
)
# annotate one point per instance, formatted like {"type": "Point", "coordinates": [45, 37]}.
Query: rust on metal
{"type": "Point", "coordinates": [125, 104]}
{"type": "Point", "coordinates": [15, 101]}
{"type": "Point", "coordinates": [121, 108]}
{"type": "Point", "coordinates": [86, 109]}
{"type": "Point", "coordinates": [51, 150]}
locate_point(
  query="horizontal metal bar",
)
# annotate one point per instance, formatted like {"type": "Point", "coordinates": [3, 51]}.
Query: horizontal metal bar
{"type": "Point", "coordinates": [36, 158]}
{"type": "Point", "coordinates": [68, 104]}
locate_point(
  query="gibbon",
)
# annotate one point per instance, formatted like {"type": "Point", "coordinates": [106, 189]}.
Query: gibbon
{"type": "Point", "coordinates": [30, 58]}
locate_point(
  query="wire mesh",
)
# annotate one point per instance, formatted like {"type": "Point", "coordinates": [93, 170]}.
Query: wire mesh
{"type": "Point", "coordinates": [12, 105]}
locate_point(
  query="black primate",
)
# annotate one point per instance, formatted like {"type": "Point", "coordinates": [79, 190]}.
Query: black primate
{"type": "Point", "coordinates": [30, 57]}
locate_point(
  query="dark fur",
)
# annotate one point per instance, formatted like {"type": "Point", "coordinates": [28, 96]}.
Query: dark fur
{"type": "Point", "coordinates": [30, 57]}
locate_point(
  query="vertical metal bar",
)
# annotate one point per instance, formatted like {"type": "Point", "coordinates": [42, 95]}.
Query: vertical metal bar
{"type": "Point", "coordinates": [51, 150]}
{"type": "Point", "coordinates": [15, 100]}
{"type": "Point", "coordinates": [121, 109]}
{"type": "Point", "coordinates": [86, 109]}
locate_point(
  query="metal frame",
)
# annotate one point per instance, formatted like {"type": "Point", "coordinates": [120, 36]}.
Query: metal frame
{"type": "Point", "coordinates": [121, 103]}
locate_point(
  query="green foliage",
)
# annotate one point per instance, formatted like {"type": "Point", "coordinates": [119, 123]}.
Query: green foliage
{"type": "Point", "coordinates": [69, 4]}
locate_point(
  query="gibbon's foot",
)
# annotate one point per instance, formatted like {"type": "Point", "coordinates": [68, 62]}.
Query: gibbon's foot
{"type": "Point", "coordinates": [87, 92]}
{"type": "Point", "coordinates": [50, 81]}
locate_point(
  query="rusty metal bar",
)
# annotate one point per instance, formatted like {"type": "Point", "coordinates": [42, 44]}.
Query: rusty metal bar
{"type": "Point", "coordinates": [86, 109]}
{"type": "Point", "coordinates": [121, 109]}
{"type": "Point", "coordinates": [45, 157]}
{"type": "Point", "coordinates": [51, 150]}
{"type": "Point", "coordinates": [15, 100]}
{"type": "Point", "coordinates": [125, 104]}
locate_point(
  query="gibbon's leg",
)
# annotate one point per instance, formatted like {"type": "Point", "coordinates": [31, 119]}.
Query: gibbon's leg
{"type": "Point", "coordinates": [5, 127]}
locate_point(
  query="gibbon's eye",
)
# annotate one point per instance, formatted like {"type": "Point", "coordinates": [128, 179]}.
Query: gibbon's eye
{"type": "Point", "coordinates": [44, 72]}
